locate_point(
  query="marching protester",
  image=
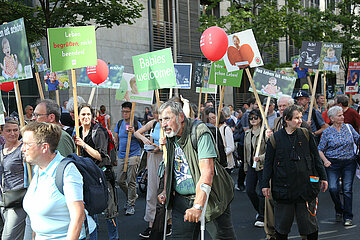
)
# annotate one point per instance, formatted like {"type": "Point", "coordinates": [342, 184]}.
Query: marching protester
{"type": "Point", "coordinates": [326, 118]}
{"type": "Point", "coordinates": [48, 111]}
{"type": "Point", "coordinates": [336, 149]}
{"type": "Point", "coordinates": [53, 215]}
{"type": "Point", "coordinates": [154, 157]}
{"type": "Point", "coordinates": [296, 173]}
{"type": "Point", "coordinates": [104, 118]}
{"type": "Point", "coordinates": [228, 140]}
{"type": "Point", "coordinates": [12, 183]}
{"type": "Point", "coordinates": [127, 180]}
{"type": "Point", "coordinates": [191, 175]}
{"type": "Point", "coordinates": [228, 118]}
{"type": "Point", "coordinates": [244, 120]}
{"type": "Point", "coordinates": [320, 100]}
{"type": "Point", "coordinates": [148, 115]}
{"type": "Point", "coordinates": [271, 114]}
{"type": "Point", "coordinates": [93, 144]}
{"type": "Point", "coordinates": [350, 115]}
{"type": "Point", "coordinates": [254, 165]}
{"type": "Point", "coordinates": [28, 117]}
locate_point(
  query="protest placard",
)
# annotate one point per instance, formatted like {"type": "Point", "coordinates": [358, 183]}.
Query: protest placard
{"type": "Point", "coordinates": [242, 51]}
{"type": "Point", "coordinates": [219, 73]}
{"type": "Point", "coordinates": [72, 47]}
{"type": "Point", "coordinates": [128, 91]}
{"type": "Point", "coordinates": [352, 83]}
{"type": "Point", "coordinates": [112, 81]}
{"type": "Point", "coordinates": [286, 71]}
{"type": "Point", "coordinates": [310, 55]}
{"type": "Point", "coordinates": [330, 56]}
{"type": "Point", "coordinates": [272, 84]}
{"type": "Point", "coordinates": [212, 89]}
{"type": "Point", "coordinates": [15, 57]}
{"type": "Point", "coordinates": [183, 75]}
{"type": "Point", "coordinates": [154, 70]}
{"type": "Point", "coordinates": [56, 80]}
{"type": "Point", "coordinates": [37, 55]}
{"type": "Point", "coordinates": [202, 74]}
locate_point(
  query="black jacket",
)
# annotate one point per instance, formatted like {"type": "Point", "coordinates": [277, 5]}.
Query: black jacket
{"type": "Point", "coordinates": [290, 171]}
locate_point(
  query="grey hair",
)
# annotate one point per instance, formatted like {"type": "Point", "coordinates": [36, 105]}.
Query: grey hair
{"type": "Point", "coordinates": [226, 111]}
{"type": "Point", "coordinates": [290, 99]}
{"type": "Point", "coordinates": [330, 103]}
{"type": "Point", "coordinates": [175, 107]}
{"type": "Point", "coordinates": [70, 104]}
{"type": "Point", "coordinates": [51, 108]}
{"type": "Point", "coordinates": [333, 111]}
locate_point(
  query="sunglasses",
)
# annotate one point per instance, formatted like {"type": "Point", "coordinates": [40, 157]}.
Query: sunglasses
{"type": "Point", "coordinates": [254, 118]}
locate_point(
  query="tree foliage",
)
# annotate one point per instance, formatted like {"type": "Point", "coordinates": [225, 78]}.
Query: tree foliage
{"type": "Point", "coordinates": [61, 13]}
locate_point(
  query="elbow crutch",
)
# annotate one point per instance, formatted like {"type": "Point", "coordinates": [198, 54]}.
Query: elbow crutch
{"type": "Point", "coordinates": [207, 189]}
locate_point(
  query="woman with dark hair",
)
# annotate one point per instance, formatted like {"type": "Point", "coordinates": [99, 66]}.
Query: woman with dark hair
{"type": "Point", "coordinates": [93, 142]}
{"type": "Point", "coordinates": [12, 175]}
{"type": "Point", "coordinates": [228, 140]}
{"type": "Point", "coordinates": [253, 165]}
{"type": "Point", "coordinates": [296, 172]}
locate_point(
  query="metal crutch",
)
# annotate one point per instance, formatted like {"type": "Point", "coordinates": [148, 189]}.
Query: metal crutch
{"type": "Point", "coordinates": [206, 188]}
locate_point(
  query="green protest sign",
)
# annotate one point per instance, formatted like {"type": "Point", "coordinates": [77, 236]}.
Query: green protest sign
{"type": "Point", "coordinates": [14, 55]}
{"type": "Point", "coordinates": [223, 77]}
{"type": "Point", "coordinates": [72, 47]}
{"type": "Point", "coordinates": [154, 70]}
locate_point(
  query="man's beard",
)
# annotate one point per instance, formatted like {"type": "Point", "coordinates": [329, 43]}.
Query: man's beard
{"type": "Point", "coordinates": [172, 133]}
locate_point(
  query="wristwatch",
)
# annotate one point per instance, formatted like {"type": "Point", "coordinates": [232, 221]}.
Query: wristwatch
{"type": "Point", "coordinates": [198, 206]}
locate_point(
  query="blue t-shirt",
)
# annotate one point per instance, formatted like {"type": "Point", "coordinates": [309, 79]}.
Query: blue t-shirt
{"type": "Point", "coordinates": [328, 66]}
{"type": "Point", "coordinates": [156, 133]}
{"type": "Point", "coordinates": [52, 86]}
{"type": "Point", "coordinates": [135, 149]}
{"type": "Point", "coordinates": [318, 116]}
{"type": "Point", "coordinates": [47, 207]}
{"type": "Point", "coordinates": [301, 73]}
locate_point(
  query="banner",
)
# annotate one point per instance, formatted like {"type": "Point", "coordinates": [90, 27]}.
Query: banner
{"type": "Point", "coordinates": [352, 83]}
{"type": "Point", "coordinates": [56, 81]}
{"type": "Point", "coordinates": [272, 84]}
{"type": "Point", "coordinates": [223, 77]}
{"type": "Point", "coordinates": [183, 75]}
{"type": "Point", "coordinates": [154, 70]}
{"type": "Point", "coordinates": [242, 51]}
{"type": "Point", "coordinates": [330, 56]}
{"type": "Point", "coordinates": [310, 55]}
{"type": "Point", "coordinates": [72, 47]}
{"type": "Point", "coordinates": [15, 57]}
{"type": "Point", "coordinates": [37, 54]}
{"type": "Point", "coordinates": [112, 81]}
{"type": "Point", "coordinates": [128, 91]}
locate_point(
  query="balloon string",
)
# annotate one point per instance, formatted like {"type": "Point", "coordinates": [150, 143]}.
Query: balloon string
{"type": "Point", "coordinates": [96, 98]}
{"type": "Point", "coordinates": [8, 113]}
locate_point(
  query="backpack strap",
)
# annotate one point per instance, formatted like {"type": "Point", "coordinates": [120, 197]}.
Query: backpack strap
{"type": "Point", "coordinates": [193, 134]}
{"type": "Point", "coordinates": [315, 119]}
{"type": "Point", "coordinates": [272, 141]}
{"type": "Point", "coordinates": [306, 133]}
{"type": "Point", "coordinates": [59, 175]}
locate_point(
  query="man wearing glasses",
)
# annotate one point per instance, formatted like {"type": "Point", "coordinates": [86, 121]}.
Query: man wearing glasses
{"type": "Point", "coordinates": [48, 111]}
{"type": "Point", "coordinates": [28, 117]}
{"type": "Point", "coordinates": [127, 180]}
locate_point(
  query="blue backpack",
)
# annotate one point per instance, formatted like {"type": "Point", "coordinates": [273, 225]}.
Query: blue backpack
{"type": "Point", "coordinates": [95, 188]}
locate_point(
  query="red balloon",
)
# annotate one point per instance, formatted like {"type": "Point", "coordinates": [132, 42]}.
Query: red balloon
{"type": "Point", "coordinates": [99, 73]}
{"type": "Point", "coordinates": [7, 86]}
{"type": "Point", "coordinates": [214, 43]}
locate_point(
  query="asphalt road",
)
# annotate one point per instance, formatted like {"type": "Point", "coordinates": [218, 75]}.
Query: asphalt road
{"type": "Point", "coordinates": [243, 215]}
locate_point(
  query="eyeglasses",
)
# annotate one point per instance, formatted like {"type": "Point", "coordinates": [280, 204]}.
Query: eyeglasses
{"type": "Point", "coordinates": [36, 115]}
{"type": "Point", "coordinates": [254, 118]}
{"type": "Point", "coordinates": [123, 111]}
{"type": "Point", "coordinates": [28, 145]}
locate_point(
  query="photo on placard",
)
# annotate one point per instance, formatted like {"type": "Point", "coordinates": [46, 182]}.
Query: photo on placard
{"type": "Point", "coordinates": [242, 51]}
{"type": "Point", "coordinates": [112, 81]}
{"type": "Point", "coordinates": [128, 91]}
{"type": "Point", "coordinates": [56, 80]}
{"type": "Point", "coordinates": [183, 75]}
{"type": "Point", "coordinates": [339, 89]}
{"type": "Point", "coordinates": [286, 71]}
{"type": "Point", "coordinates": [330, 56]}
{"type": "Point", "coordinates": [270, 83]}
{"type": "Point", "coordinates": [310, 55]}
{"type": "Point", "coordinates": [14, 55]}
{"type": "Point", "coordinates": [352, 81]}
{"type": "Point", "coordinates": [37, 56]}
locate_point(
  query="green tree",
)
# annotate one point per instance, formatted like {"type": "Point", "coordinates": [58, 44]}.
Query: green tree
{"type": "Point", "coordinates": [57, 13]}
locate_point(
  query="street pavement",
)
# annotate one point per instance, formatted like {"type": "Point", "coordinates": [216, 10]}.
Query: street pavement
{"type": "Point", "coordinates": [243, 215]}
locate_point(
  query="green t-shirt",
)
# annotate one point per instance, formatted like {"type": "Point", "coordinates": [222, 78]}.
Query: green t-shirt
{"type": "Point", "coordinates": [183, 182]}
{"type": "Point", "coordinates": [66, 145]}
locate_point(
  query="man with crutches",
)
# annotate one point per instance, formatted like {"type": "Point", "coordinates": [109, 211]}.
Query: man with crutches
{"type": "Point", "coordinates": [193, 175]}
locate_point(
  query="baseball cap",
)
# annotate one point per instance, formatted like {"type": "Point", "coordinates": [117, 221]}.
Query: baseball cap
{"type": "Point", "coordinates": [301, 93]}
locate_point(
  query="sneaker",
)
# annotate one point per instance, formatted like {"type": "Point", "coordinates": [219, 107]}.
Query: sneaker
{"type": "Point", "coordinates": [146, 233]}
{"type": "Point", "coordinates": [126, 206]}
{"type": "Point", "coordinates": [348, 222]}
{"type": "Point", "coordinates": [130, 210]}
{"type": "Point", "coordinates": [168, 230]}
{"type": "Point", "coordinates": [237, 187]}
{"type": "Point", "coordinates": [338, 217]}
{"type": "Point", "coordinates": [259, 224]}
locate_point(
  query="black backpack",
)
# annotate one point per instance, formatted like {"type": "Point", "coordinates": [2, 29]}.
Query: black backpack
{"type": "Point", "coordinates": [214, 131]}
{"type": "Point", "coordinates": [111, 149]}
{"type": "Point", "coordinates": [95, 188]}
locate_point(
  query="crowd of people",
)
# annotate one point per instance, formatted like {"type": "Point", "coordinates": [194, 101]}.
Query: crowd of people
{"type": "Point", "coordinates": [282, 169]}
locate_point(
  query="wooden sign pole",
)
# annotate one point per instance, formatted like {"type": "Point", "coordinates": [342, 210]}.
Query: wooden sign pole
{"type": "Point", "coordinates": [57, 97]}
{"type": "Point", "coordinates": [19, 103]}
{"type": "Point", "coordinates": [76, 109]}
{"type": "Point", "coordinates": [206, 96]}
{"type": "Point", "coordinates": [39, 85]}
{"type": "Point", "coordinates": [162, 134]}
{"type": "Point", "coordinates": [261, 131]}
{"type": "Point", "coordinates": [92, 94]}
{"type": "Point", "coordinates": [313, 95]}
{"type": "Point", "coordinates": [129, 136]}
{"type": "Point", "coordinates": [199, 108]}
{"type": "Point", "coordinates": [257, 98]}
{"type": "Point", "coordinates": [220, 105]}
{"type": "Point", "coordinates": [310, 84]}
{"type": "Point", "coordinates": [350, 101]}
{"type": "Point", "coordinates": [324, 91]}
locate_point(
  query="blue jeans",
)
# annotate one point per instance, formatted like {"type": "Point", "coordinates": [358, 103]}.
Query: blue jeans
{"type": "Point", "coordinates": [346, 170]}
{"type": "Point", "coordinates": [93, 235]}
{"type": "Point", "coordinates": [112, 229]}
